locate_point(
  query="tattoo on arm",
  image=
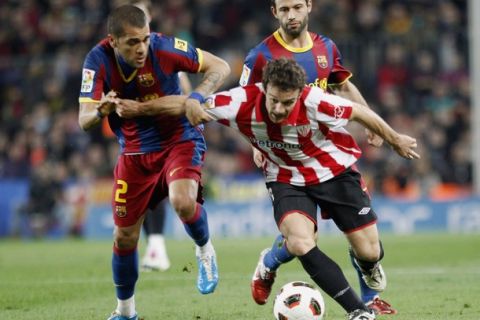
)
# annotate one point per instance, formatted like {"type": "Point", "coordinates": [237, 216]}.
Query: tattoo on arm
{"type": "Point", "coordinates": [211, 82]}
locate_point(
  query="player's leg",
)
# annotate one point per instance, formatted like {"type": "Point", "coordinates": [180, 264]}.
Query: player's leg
{"type": "Point", "coordinates": [299, 231]}
{"type": "Point", "coordinates": [366, 252]}
{"type": "Point", "coordinates": [183, 195]}
{"type": "Point", "coordinates": [125, 270]}
{"type": "Point", "coordinates": [347, 202]}
{"type": "Point", "coordinates": [155, 257]}
{"type": "Point", "coordinates": [131, 194]}
{"type": "Point", "coordinates": [183, 175]}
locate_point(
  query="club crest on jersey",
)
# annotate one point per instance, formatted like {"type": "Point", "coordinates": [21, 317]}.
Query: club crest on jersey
{"type": "Point", "coordinates": [322, 61]}
{"type": "Point", "coordinates": [338, 112]}
{"type": "Point", "coordinates": [87, 80]}
{"type": "Point", "coordinates": [181, 45]}
{"type": "Point", "coordinates": [146, 79]}
{"type": "Point", "coordinates": [303, 130]}
{"type": "Point", "coordinates": [121, 211]}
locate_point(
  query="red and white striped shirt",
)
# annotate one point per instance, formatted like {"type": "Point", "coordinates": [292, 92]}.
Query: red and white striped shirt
{"type": "Point", "coordinates": [309, 147]}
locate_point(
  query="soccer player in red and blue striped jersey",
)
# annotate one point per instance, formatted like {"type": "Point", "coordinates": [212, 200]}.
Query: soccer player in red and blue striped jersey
{"type": "Point", "coordinates": [160, 156]}
{"type": "Point", "coordinates": [322, 62]}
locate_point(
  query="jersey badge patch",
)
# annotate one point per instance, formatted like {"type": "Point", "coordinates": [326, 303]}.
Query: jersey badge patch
{"type": "Point", "coordinates": [87, 80]}
{"type": "Point", "coordinates": [338, 112]}
{"type": "Point", "coordinates": [181, 45]}
{"type": "Point", "coordinates": [322, 61]}
{"type": "Point", "coordinates": [146, 79]}
{"type": "Point", "coordinates": [303, 130]}
{"type": "Point", "coordinates": [121, 211]}
{"type": "Point", "coordinates": [245, 75]}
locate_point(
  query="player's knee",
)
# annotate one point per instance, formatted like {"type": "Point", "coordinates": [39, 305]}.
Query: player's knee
{"type": "Point", "coordinates": [184, 206]}
{"type": "Point", "coordinates": [300, 246]}
{"type": "Point", "coordinates": [124, 239]}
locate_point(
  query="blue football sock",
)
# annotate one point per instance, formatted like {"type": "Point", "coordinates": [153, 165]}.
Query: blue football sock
{"type": "Point", "coordinates": [197, 226]}
{"type": "Point", "coordinates": [367, 293]}
{"type": "Point", "coordinates": [125, 272]}
{"type": "Point", "coordinates": [278, 254]}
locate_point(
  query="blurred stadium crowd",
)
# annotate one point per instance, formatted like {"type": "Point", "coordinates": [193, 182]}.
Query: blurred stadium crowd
{"type": "Point", "coordinates": [409, 59]}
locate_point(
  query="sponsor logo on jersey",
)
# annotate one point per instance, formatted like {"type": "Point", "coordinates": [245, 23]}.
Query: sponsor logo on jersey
{"type": "Point", "coordinates": [364, 211]}
{"type": "Point", "coordinates": [275, 144]}
{"type": "Point", "coordinates": [245, 75]}
{"type": "Point", "coordinates": [121, 211]}
{"type": "Point", "coordinates": [322, 61]}
{"type": "Point", "coordinates": [146, 79]}
{"type": "Point", "coordinates": [323, 83]}
{"type": "Point", "coordinates": [303, 130]}
{"type": "Point", "coordinates": [338, 112]}
{"type": "Point", "coordinates": [87, 80]}
{"type": "Point", "coordinates": [181, 45]}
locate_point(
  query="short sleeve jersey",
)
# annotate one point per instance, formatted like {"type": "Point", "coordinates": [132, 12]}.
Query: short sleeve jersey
{"type": "Point", "coordinates": [104, 70]}
{"type": "Point", "coordinates": [311, 146]}
{"type": "Point", "coordinates": [321, 60]}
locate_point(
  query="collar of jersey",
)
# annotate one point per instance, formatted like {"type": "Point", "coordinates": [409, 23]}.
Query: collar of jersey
{"type": "Point", "coordinates": [120, 62]}
{"type": "Point", "coordinates": [282, 42]}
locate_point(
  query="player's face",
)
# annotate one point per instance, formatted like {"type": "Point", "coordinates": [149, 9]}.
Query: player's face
{"type": "Point", "coordinates": [280, 103]}
{"type": "Point", "coordinates": [292, 15]}
{"type": "Point", "coordinates": [133, 45]}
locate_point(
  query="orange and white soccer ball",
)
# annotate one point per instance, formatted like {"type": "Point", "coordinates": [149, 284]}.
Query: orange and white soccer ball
{"type": "Point", "coordinates": [299, 300]}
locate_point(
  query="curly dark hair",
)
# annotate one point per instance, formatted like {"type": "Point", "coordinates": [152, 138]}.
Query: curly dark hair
{"type": "Point", "coordinates": [284, 73]}
{"type": "Point", "coordinates": [129, 15]}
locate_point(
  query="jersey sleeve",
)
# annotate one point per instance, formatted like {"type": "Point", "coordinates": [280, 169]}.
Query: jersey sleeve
{"type": "Point", "coordinates": [222, 107]}
{"type": "Point", "coordinates": [93, 77]}
{"type": "Point", "coordinates": [331, 110]}
{"type": "Point", "coordinates": [175, 54]}
{"type": "Point", "coordinates": [339, 74]}
{"type": "Point", "coordinates": [252, 68]}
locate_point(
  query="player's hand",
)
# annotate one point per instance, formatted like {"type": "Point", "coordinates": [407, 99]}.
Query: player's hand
{"type": "Point", "coordinates": [195, 113]}
{"type": "Point", "coordinates": [373, 139]}
{"type": "Point", "coordinates": [128, 108]}
{"type": "Point", "coordinates": [258, 158]}
{"type": "Point", "coordinates": [404, 145]}
{"type": "Point", "coordinates": [108, 103]}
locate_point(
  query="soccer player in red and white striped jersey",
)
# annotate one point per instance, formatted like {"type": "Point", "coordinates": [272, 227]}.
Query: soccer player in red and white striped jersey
{"type": "Point", "coordinates": [300, 131]}
{"type": "Point", "coordinates": [322, 62]}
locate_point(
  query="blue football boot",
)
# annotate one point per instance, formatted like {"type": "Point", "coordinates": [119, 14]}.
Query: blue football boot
{"type": "Point", "coordinates": [207, 279]}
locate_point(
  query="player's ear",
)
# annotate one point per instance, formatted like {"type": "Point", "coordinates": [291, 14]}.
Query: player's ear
{"type": "Point", "coordinates": [112, 41]}
{"type": "Point", "coordinates": [274, 10]}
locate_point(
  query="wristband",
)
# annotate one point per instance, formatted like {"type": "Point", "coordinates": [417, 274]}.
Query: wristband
{"type": "Point", "coordinates": [197, 96]}
{"type": "Point", "coordinates": [100, 115]}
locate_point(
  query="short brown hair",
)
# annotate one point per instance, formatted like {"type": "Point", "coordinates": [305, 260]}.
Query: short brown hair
{"type": "Point", "coordinates": [284, 73]}
{"type": "Point", "coordinates": [129, 15]}
{"type": "Point", "coordinates": [274, 4]}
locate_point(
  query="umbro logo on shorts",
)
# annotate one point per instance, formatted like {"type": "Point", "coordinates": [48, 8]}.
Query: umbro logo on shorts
{"type": "Point", "coordinates": [364, 211]}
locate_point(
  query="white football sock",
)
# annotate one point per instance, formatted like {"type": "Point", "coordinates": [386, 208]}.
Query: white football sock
{"type": "Point", "coordinates": [126, 307]}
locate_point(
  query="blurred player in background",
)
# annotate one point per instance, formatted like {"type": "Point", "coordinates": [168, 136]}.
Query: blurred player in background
{"type": "Point", "coordinates": [156, 257]}
{"type": "Point", "coordinates": [311, 156]}
{"type": "Point", "coordinates": [159, 156]}
{"type": "Point", "coordinates": [320, 58]}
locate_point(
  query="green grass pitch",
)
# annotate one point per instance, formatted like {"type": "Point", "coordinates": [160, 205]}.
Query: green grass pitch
{"type": "Point", "coordinates": [431, 277]}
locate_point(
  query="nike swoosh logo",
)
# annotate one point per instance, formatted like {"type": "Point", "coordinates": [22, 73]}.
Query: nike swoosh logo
{"type": "Point", "coordinates": [172, 172]}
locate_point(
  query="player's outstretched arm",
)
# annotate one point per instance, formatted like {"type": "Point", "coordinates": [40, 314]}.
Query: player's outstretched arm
{"type": "Point", "coordinates": [173, 105]}
{"type": "Point", "coordinates": [91, 113]}
{"type": "Point", "coordinates": [404, 145]}
{"type": "Point", "coordinates": [215, 70]}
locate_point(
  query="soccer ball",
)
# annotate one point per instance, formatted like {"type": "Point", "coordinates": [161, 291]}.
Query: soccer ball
{"type": "Point", "coordinates": [299, 300]}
